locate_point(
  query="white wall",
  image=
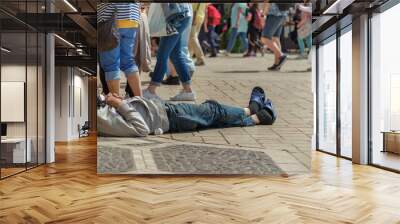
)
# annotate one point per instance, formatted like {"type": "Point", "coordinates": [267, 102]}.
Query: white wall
{"type": "Point", "coordinates": [33, 126]}
{"type": "Point", "coordinates": [70, 83]}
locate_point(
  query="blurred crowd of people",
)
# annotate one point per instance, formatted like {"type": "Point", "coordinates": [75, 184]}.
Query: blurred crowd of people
{"type": "Point", "coordinates": [182, 35]}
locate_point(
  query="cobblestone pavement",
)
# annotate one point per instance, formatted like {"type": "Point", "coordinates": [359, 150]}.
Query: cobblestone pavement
{"type": "Point", "coordinates": [229, 80]}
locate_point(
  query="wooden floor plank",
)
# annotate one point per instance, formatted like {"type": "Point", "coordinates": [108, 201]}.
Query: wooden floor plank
{"type": "Point", "coordinates": [70, 191]}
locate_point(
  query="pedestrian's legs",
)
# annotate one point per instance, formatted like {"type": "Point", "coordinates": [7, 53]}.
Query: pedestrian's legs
{"type": "Point", "coordinates": [128, 63]}
{"type": "Point", "coordinates": [244, 40]}
{"type": "Point", "coordinates": [274, 48]}
{"type": "Point", "coordinates": [194, 44]}
{"type": "Point", "coordinates": [211, 39]}
{"type": "Point", "coordinates": [300, 42]}
{"type": "Point", "coordinates": [165, 47]}
{"type": "Point", "coordinates": [271, 34]}
{"type": "Point", "coordinates": [185, 45]}
{"type": "Point", "coordinates": [110, 61]}
{"type": "Point", "coordinates": [178, 59]}
{"type": "Point", "coordinates": [309, 41]}
{"type": "Point", "coordinates": [232, 39]}
{"type": "Point", "coordinates": [252, 46]}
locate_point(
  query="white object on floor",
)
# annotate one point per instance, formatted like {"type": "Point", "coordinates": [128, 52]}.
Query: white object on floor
{"type": "Point", "coordinates": [148, 95]}
{"type": "Point", "coordinates": [184, 96]}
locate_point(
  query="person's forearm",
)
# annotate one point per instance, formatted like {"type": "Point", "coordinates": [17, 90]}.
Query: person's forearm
{"type": "Point", "coordinates": [134, 119]}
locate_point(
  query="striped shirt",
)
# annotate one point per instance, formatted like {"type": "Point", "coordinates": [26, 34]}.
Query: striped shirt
{"type": "Point", "coordinates": [125, 11]}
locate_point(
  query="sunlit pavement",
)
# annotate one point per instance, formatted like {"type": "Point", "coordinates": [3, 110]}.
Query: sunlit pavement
{"type": "Point", "coordinates": [229, 80]}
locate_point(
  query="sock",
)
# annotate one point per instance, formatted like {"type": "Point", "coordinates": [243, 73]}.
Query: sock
{"type": "Point", "coordinates": [264, 117]}
{"type": "Point", "coordinates": [254, 107]}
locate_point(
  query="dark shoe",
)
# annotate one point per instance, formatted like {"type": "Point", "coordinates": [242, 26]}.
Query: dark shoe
{"type": "Point", "coordinates": [151, 74]}
{"type": "Point", "coordinates": [274, 67]}
{"type": "Point", "coordinates": [171, 80]}
{"type": "Point", "coordinates": [270, 108]}
{"type": "Point", "coordinates": [199, 63]}
{"type": "Point", "coordinates": [249, 54]}
{"type": "Point", "coordinates": [265, 117]}
{"type": "Point", "coordinates": [213, 55]}
{"type": "Point", "coordinates": [282, 60]}
{"type": "Point", "coordinates": [257, 99]}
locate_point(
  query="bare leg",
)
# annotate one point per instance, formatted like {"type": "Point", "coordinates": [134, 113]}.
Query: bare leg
{"type": "Point", "coordinates": [277, 41]}
{"type": "Point", "coordinates": [274, 48]}
{"type": "Point", "coordinates": [152, 88]}
{"type": "Point", "coordinates": [187, 88]}
{"type": "Point", "coordinates": [113, 86]}
{"type": "Point", "coordinates": [135, 84]}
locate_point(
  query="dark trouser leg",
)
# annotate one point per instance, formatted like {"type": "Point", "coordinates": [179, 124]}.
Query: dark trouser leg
{"type": "Point", "coordinates": [211, 39]}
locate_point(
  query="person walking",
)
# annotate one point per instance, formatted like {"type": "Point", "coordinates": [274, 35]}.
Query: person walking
{"type": "Point", "coordinates": [199, 12]}
{"type": "Point", "coordinates": [121, 58]}
{"type": "Point", "coordinates": [177, 16]}
{"type": "Point", "coordinates": [212, 20]}
{"type": "Point", "coordinates": [275, 16]}
{"type": "Point", "coordinates": [172, 75]}
{"type": "Point", "coordinates": [238, 27]}
{"type": "Point", "coordinates": [255, 20]}
{"type": "Point", "coordinates": [304, 29]}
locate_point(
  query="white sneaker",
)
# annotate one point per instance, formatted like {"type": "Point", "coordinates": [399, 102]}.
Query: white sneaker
{"type": "Point", "coordinates": [224, 52]}
{"type": "Point", "coordinates": [184, 96]}
{"type": "Point", "coordinates": [148, 95]}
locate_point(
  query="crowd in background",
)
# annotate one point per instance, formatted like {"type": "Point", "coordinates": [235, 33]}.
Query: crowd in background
{"type": "Point", "coordinates": [182, 35]}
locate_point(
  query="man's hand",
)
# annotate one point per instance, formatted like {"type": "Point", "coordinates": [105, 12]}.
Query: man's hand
{"type": "Point", "coordinates": [114, 100]}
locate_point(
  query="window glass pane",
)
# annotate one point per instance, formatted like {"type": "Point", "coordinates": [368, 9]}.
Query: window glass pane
{"type": "Point", "coordinates": [14, 153]}
{"type": "Point", "coordinates": [386, 89]}
{"type": "Point", "coordinates": [346, 93]}
{"type": "Point", "coordinates": [327, 97]}
{"type": "Point", "coordinates": [41, 98]}
{"type": "Point", "coordinates": [31, 96]}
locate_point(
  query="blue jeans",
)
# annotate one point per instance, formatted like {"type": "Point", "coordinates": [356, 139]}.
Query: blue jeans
{"type": "Point", "coordinates": [300, 41]}
{"type": "Point", "coordinates": [122, 57]}
{"type": "Point", "coordinates": [210, 114]}
{"type": "Point", "coordinates": [232, 39]}
{"type": "Point", "coordinates": [273, 26]}
{"type": "Point", "coordinates": [212, 39]}
{"type": "Point", "coordinates": [185, 49]}
{"type": "Point", "coordinates": [172, 47]}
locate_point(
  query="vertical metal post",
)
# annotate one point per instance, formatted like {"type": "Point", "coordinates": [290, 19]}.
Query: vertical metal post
{"type": "Point", "coordinates": [338, 81]}
{"type": "Point", "coordinates": [317, 96]}
{"type": "Point", "coordinates": [50, 92]}
{"type": "Point", "coordinates": [360, 91]}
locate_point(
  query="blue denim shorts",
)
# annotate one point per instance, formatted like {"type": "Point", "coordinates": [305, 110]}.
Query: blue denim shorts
{"type": "Point", "coordinates": [273, 26]}
{"type": "Point", "coordinates": [122, 57]}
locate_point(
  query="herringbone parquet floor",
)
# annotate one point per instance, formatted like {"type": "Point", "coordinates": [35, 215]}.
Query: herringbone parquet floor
{"type": "Point", "coordinates": [70, 191]}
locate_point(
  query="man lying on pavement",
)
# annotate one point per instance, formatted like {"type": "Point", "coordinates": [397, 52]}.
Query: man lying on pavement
{"type": "Point", "coordinates": [139, 117]}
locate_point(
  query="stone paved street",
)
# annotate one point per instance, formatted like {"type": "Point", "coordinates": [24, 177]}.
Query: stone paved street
{"type": "Point", "coordinates": [229, 80]}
